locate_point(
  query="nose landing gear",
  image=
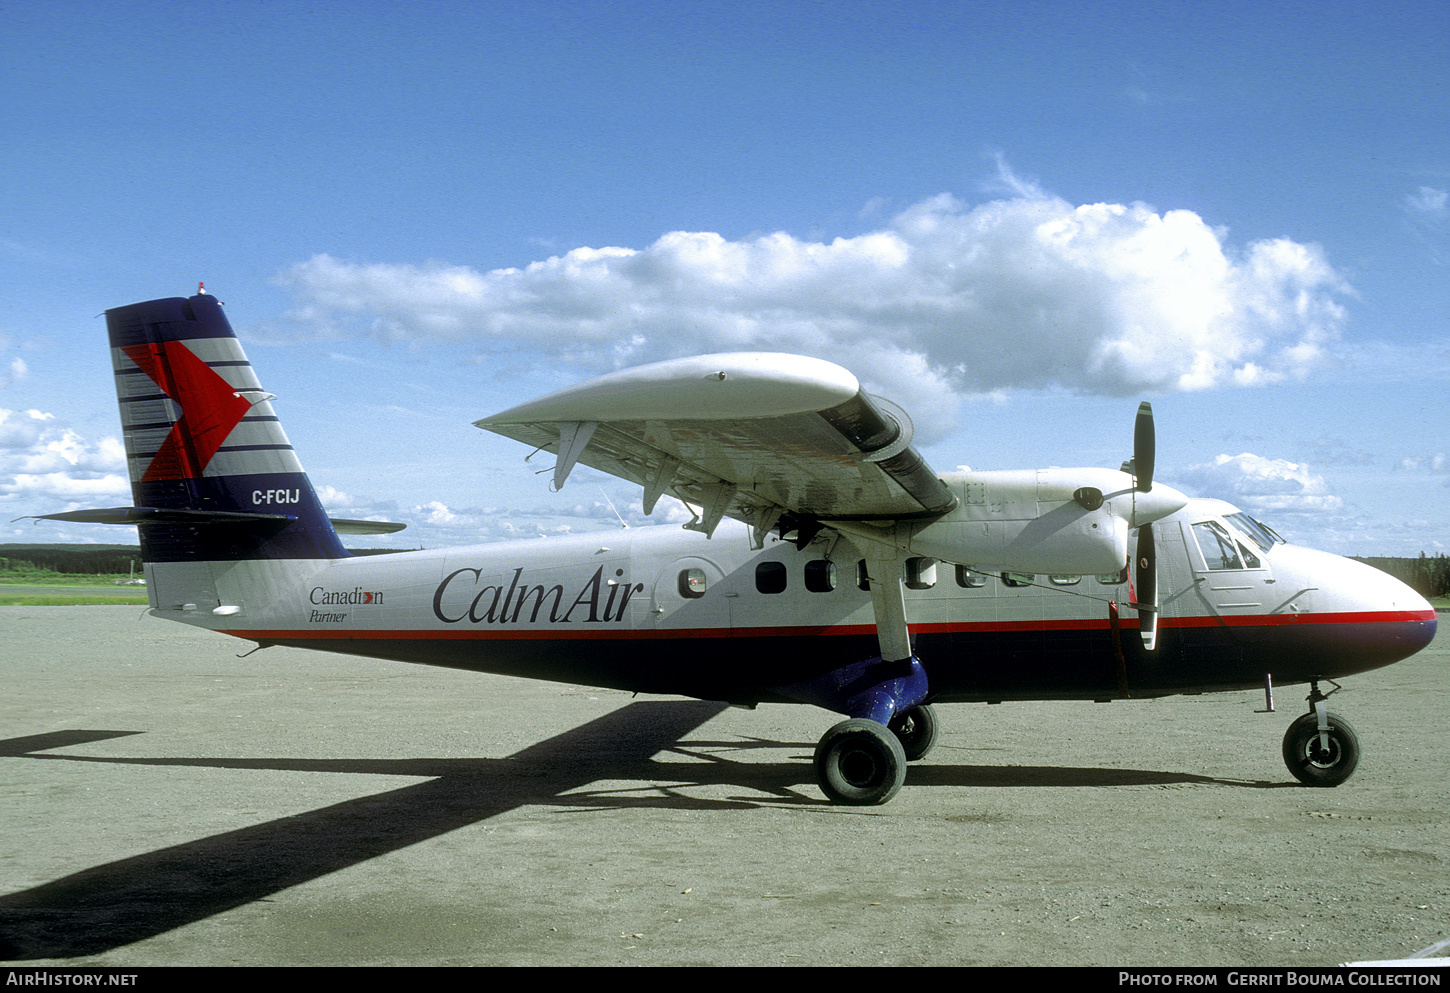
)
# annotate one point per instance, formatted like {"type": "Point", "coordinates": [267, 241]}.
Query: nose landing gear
{"type": "Point", "coordinates": [1320, 748]}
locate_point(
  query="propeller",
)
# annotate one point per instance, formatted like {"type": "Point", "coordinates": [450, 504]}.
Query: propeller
{"type": "Point", "coordinates": [1143, 447]}
{"type": "Point", "coordinates": [1146, 583]}
{"type": "Point", "coordinates": [1146, 509]}
{"type": "Point", "coordinates": [1146, 571]}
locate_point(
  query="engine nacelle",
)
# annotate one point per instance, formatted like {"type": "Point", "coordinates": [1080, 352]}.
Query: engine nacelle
{"type": "Point", "coordinates": [1067, 522]}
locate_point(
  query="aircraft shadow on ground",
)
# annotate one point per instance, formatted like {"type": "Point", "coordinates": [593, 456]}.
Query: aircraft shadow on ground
{"type": "Point", "coordinates": [130, 900]}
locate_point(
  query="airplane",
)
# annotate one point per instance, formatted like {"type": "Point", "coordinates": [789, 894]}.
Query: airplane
{"type": "Point", "coordinates": [826, 562]}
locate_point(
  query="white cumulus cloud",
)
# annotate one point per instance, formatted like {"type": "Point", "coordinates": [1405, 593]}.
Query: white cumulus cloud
{"type": "Point", "coordinates": [947, 300]}
{"type": "Point", "coordinates": [42, 463]}
{"type": "Point", "coordinates": [1262, 485]}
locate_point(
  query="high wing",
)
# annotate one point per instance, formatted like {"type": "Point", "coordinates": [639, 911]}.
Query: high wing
{"type": "Point", "coordinates": [749, 435]}
{"type": "Point", "coordinates": [792, 442]}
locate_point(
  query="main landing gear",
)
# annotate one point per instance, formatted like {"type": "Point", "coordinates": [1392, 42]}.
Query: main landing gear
{"type": "Point", "coordinates": [863, 762]}
{"type": "Point", "coordinates": [1320, 748]}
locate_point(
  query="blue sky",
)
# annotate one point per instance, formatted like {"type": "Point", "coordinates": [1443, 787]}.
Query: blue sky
{"type": "Point", "coordinates": [1013, 219]}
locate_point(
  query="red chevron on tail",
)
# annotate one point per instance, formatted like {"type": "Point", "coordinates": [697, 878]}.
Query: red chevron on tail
{"type": "Point", "coordinates": [210, 406]}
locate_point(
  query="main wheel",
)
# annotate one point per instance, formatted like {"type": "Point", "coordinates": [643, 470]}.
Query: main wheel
{"type": "Point", "coordinates": [916, 730]}
{"type": "Point", "coordinates": [860, 762]}
{"type": "Point", "coordinates": [1310, 762]}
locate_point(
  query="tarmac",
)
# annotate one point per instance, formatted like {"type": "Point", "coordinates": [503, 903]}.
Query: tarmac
{"type": "Point", "coordinates": [166, 802]}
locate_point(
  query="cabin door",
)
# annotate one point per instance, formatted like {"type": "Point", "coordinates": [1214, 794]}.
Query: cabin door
{"type": "Point", "coordinates": [693, 594]}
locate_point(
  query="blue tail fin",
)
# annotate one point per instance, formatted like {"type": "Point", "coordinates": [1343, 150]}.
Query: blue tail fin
{"type": "Point", "coordinates": [212, 473]}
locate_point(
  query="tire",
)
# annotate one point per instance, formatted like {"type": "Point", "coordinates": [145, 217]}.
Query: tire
{"type": "Point", "coordinates": [860, 762]}
{"type": "Point", "coordinates": [1312, 765]}
{"type": "Point", "coordinates": [916, 729]}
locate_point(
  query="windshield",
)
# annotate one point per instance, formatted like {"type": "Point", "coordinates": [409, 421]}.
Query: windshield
{"type": "Point", "coordinates": [1220, 551]}
{"type": "Point", "coordinates": [1259, 534]}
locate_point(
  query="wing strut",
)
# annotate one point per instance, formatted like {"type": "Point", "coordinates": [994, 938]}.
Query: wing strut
{"type": "Point", "coordinates": [888, 600]}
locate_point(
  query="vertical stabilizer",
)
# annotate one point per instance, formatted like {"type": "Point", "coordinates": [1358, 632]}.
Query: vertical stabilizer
{"type": "Point", "coordinates": [203, 445]}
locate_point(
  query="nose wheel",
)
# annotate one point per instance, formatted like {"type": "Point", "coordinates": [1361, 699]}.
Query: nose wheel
{"type": "Point", "coordinates": [1320, 748]}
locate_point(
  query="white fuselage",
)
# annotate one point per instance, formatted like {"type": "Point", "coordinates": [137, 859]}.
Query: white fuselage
{"type": "Point", "coordinates": [666, 610]}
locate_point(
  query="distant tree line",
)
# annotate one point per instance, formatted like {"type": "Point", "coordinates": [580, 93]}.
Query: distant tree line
{"type": "Point", "coordinates": [71, 560]}
{"type": "Point", "coordinates": [1425, 575]}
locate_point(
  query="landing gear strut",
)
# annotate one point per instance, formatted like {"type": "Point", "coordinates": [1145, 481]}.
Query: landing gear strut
{"type": "Point", "coordinates": [1320, 748]}
{"type": "Point", "coordinates": [862, 760]}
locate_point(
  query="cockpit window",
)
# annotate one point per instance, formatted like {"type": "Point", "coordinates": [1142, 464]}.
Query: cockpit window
{"type": "Point", "coordinates": [1220, 550]}
{"type": "Point", "coordinates": [1258, 533]}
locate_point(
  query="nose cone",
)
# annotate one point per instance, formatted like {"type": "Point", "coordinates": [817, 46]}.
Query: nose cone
{"type": "Point", "coordinates": [1407, 620]}
{"type": "Point", "coordinates": [1376, 619]}
{"type": "Point", "coordinates": [1413, 615]}
{"type": "Point", "coordinates": [1376, 591]}
{"type": "Point", "coordinates": [1156, 504]}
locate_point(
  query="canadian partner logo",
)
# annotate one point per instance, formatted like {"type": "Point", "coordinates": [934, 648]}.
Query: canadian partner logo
{"type": "Point", "coordinates": [357, 597]}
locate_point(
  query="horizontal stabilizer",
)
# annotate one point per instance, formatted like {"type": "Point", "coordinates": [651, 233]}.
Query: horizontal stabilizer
{"type": "Point", "coordinates": [158, 515]}
{"type": "Point", "coordinates": [344, 526]}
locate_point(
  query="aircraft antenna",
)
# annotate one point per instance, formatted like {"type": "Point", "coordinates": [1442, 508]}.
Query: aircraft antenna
{"type": "Point", "coordinates": [611, 507]}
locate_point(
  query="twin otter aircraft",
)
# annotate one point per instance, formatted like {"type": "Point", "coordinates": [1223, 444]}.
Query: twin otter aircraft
{"type": "Point", "coordinates": [850, 575]}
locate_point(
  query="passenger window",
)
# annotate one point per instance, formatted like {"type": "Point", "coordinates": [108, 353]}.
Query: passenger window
{"type": "Point", "coordinates": [821, 576]}
{"type": "Point", "coordinates": [1064, 580]}
{"type": "Point", "coordinates": [692, 583]}
{"type": "Point", "coordinates": [863, 578]}
{"type": "Point", "coordinates": [770, 577]}
{"type": "Point", "coordinates": [920, 573]}
{"type": "Point", "coordinates": [969, 580]}
{"type": "Point", "coordinates": [1017, 579]}
{"type": "Point", "coordinates": [1114, 578]}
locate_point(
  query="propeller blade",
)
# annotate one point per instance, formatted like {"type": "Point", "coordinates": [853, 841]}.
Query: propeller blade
{"type": "Point", "coordinates": [1143, 446]}
{"type": "Point", "coordinates": [1146, 583]}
